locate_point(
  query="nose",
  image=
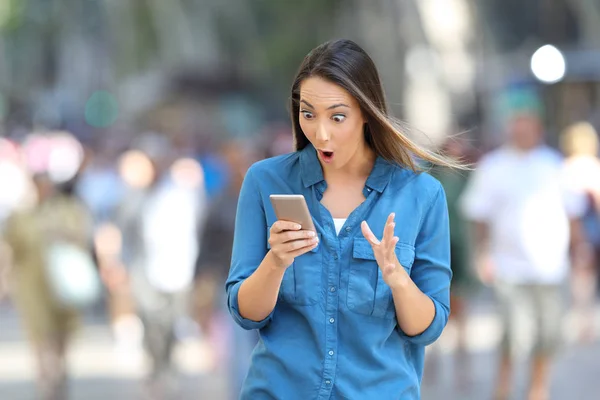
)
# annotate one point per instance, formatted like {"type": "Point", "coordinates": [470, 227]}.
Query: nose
{"type": "Point", "coordinates": [322, 134]}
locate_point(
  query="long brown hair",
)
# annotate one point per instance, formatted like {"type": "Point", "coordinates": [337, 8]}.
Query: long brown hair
{"type": "Point", "coordinates": [346, 64]}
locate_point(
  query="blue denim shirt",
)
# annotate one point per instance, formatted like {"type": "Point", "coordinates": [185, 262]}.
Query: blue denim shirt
{"type": "Point", "coordinates": [333, 333]}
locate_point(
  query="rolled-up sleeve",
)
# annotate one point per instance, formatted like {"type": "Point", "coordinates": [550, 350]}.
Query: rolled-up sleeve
{"type": "Point", "coordinates": [431, 269]}
{"type": "Point", "coordinates": [249, 247]}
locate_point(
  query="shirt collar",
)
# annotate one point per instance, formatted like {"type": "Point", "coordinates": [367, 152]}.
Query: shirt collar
{"type": "Point", "coordinates": [312, 173]}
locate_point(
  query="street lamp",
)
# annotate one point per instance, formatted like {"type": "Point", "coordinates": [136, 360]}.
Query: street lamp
{"type": "Point", "coordinates": [548, 64]}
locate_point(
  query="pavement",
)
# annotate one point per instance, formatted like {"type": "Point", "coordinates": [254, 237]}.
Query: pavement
{"type": "Point", "coordinates": [99, 371]}
{"type": "Point", "coordinates": [574, 376]}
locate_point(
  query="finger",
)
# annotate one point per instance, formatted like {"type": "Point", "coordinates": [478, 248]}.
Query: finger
{"type": "Point", "coordinates": [298, 244]}
{"type": "Point", "coordinates": [280, 226]}
{"type": "Point", "coordinates": [388, 231]}
{"type": "Point", "coordinates": [289, 236]}
{"type": "Point", "coordinates": [390, 218]}
{"type": "Point", "coordinates": [391, 250]}
{"type": "Point", "coordinates": [303, 250]}
{"type": "Point", "coordinates": [368, 234]}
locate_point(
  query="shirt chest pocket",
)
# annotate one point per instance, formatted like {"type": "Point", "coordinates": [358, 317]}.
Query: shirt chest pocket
{"type": "Point", "coordinates": [301, 284]}
{"type": "Point", "coordinates": [368, 294]}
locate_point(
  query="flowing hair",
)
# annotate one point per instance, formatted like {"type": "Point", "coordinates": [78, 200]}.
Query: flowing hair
{"type": "Point", "coordinates": [346, 64]}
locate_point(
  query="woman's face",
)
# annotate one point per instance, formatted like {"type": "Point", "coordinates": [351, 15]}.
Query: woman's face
{"type": "Point", "coordinates": [332, 121]}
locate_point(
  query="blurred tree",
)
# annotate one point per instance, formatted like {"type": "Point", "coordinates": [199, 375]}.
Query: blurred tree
{"type": "Point", "coordinates": [588, 14]}
{"type": "Point", "coordinates": [266, 40]}
{"type": "Point", "coordinates": [84, 46]}
{"type": "Point", "coordinates": [55, 54]}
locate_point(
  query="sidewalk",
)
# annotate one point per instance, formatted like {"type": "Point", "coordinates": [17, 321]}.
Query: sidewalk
{"type": "Point", "coordinates": [97, 374]}
{"type": "Point", "coordinates": [450, 377]}
{"type": "Point", "coordinates": [97, 370]}
{"type": "Point", "coordinates": [574, 376]}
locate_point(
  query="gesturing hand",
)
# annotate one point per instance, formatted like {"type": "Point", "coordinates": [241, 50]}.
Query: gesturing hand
{"type": "Point", "coordinates": [393, 273]}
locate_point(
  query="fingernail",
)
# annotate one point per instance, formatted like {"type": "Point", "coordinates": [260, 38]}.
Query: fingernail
{"type": "Point", "coordinates": [298, 226]}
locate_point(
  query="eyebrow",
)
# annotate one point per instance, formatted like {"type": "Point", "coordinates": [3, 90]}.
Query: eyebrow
{"type": "Point", "coordinates": [329, 108]}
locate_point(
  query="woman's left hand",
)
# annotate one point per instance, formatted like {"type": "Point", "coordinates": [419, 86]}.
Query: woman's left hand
{"type": "Point", "coordinates": [392, 271]}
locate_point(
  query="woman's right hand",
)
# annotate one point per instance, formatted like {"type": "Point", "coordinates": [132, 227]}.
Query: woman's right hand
{"type": "Point", "coordinates": [289, 241]}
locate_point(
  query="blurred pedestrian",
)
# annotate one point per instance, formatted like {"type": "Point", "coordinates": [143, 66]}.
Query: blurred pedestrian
{"type": "Point", "coordinates": [5, 267]}
{"type": "Point", "coordinates": [159, 223]}
{"type": "Point", "coordinates": [522, 213]}
{"type": "Point", "coordinates": [56, 218]}
{"type": "Point", "coordinates": [463, 282]}
{"type": "Point", "coordinates": [579, 142]}
{"type": "Point", "coordinates": [213, 267]}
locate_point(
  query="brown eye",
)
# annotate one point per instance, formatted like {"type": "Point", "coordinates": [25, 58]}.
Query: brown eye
{"type": "Point", "coordinates": [307, 114]}
{"type": "Point", "coordinates": [339, 117]}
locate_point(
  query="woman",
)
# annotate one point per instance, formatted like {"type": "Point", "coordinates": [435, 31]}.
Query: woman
{"type": "Point", "coordinates": [341, 314]}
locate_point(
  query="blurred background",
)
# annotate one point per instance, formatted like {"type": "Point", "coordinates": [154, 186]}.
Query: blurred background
{"type": "Point", "coordinates": [128, 123]}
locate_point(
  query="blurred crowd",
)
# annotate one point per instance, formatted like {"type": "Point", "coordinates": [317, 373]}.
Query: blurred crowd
{"type": "Point", "coordinates": [142, 229]}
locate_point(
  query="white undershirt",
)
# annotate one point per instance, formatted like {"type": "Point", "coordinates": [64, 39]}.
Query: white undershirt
{"type": "Point", "coordinates": [339, 223]}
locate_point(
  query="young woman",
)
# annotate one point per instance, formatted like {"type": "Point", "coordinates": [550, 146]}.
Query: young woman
{"type": "Point", "coordinates": [345, 313]}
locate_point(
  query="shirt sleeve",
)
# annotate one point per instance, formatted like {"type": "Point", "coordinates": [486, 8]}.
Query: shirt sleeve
{"type": "Point", "coordinates": [249, 247]}
{"type": "Point", "coordinates": [477, 202]}
{"type": "Point", "coordinates": [431, 269]}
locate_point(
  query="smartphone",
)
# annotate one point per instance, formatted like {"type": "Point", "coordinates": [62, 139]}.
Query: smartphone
{"type": "Point", "coordinates": [293, 207]}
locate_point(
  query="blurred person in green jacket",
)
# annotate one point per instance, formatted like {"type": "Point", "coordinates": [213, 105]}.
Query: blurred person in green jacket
{"type": "Point", "coordinates": [49, 323]}
{"type": "Point", "coordinates": [454, 183]}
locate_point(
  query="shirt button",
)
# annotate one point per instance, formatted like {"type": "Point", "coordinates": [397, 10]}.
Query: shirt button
{"type": "Point", "coordinates": [330, 352]}
{"type": "Point", "coordinates": [331, 320]}
{"type": "Point", "coordinates": [328, 382]}
{"type": "Point", "coordinates": [335, 256]}
{"type": "Point", "coordinates": [348, 229]}
{"type": "Point", "coordinates": [332, 289]}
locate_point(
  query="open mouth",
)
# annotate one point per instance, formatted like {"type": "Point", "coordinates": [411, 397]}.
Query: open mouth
{"type": "Point", "coordinates": [327, 156]}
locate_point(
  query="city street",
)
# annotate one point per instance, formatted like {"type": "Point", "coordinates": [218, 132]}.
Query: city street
{"type": "Point", "coordinates": [97, 373]}
{"type": "Point", "coordinates": [140, 141]}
